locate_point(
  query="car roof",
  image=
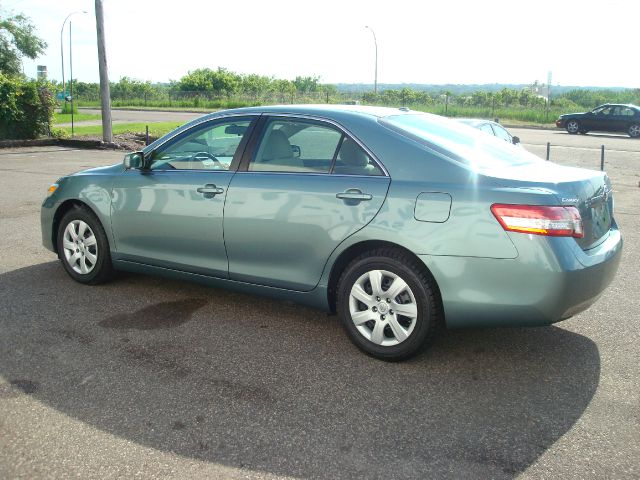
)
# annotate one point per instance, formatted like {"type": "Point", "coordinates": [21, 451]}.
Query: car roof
{"type": "Point", "coordinates": [631, 105]}
{"type": "Point", "coordinates": [333, 112]}
{"type": "Point", "coordinates": [322, 110]}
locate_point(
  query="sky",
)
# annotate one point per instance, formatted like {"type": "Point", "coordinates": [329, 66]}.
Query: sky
{"type": "Point", "coordinates": [585, 43]}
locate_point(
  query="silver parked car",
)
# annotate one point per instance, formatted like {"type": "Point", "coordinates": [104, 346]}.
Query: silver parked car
{"type": "Point", "coordinates": [492, 128]}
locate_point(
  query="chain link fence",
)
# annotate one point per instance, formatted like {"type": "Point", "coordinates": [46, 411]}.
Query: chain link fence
{"type": "Point", "coordinates": [533, 110]}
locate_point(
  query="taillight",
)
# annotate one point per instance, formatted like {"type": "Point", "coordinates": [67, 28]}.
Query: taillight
{"type": "Point", "coordinates": [539, 220]}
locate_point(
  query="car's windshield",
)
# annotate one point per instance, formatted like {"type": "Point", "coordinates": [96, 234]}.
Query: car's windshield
{"type": "Point", "coordinates": [458, 142]}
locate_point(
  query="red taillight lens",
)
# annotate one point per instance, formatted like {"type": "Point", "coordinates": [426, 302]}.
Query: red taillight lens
{"type": "Point", "coordinates": [539, 220]}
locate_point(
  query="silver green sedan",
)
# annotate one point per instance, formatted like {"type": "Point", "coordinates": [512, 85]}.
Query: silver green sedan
{"type": "Point", "coordinates": [401, 222]}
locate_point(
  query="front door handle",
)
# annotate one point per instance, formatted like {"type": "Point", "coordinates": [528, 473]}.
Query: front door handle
{"type": "Point", "coordinates": [354, 194]}
{"type": "Point", "coordinates": [210, 190]}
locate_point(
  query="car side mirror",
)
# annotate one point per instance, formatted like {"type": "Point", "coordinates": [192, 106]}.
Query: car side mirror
{"type": "Point", "coordinates": [515, 140]}
{"type": "Point", "coordinates": [134, 160]}
{"type": "Point", "coordinates": [296, 151]}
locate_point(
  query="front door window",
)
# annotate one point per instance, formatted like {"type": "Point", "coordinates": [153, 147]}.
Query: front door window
{"type": "Point", "coordinates": [210, 147]}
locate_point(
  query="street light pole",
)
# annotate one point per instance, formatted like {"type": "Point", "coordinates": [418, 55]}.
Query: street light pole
{"type": "Point", "coordinates": [64, 88]}
{"type": "Point", "coordinates": [375, 41]}
{"type": "Point", "coordinates": [71, 79]}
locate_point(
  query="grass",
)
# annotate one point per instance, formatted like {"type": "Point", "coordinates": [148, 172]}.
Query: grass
{"type": "Point", "coordinates": [155, 129]}
{"type": "Point", "coordinates": [77, 117]}
{"type": "Point", "coordinates": [513, 114]}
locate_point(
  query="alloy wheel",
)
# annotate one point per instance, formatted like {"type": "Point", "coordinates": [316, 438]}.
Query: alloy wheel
{"type": "Point", "coordinates": [573, 126]}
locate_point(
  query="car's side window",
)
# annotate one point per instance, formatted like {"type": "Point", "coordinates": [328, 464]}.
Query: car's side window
{"type": "Point", "coordinates": [502, 133]}
{"type": "Point", "coordinates": [353, 160]}
{"type": "Point", "coordinates": [627, 112]}
{"type": "Point", "coordinates": [296, 145]}
{"type": "Point", "coordinates": [208, 147]}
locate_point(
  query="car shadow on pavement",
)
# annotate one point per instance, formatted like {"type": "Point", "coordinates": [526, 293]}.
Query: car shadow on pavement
{"type": "Point", "coordinates": [268, 386]}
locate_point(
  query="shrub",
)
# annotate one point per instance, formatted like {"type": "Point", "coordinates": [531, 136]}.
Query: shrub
{"type": "Point", "coordinates": [26, 108]}
{"type": "Point", "coordinates": [66, 107]}
{"type": "Point", "coordinates": [59, 133]}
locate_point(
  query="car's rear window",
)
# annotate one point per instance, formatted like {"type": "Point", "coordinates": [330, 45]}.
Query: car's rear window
{"type": "Point", "coordinates": [458, 142]}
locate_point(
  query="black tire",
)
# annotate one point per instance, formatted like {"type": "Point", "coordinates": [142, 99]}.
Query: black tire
{"type": "Point", "coordinates": [634, 130]}
{"type": "Point", "coordinates": [573, 127]}
{"type": "Point", "coordinates": [421, 285]}
{"type": "Point", "coordinates": [100, 271]}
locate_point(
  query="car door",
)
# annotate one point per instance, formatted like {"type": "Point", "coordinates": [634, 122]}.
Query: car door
{"type": "Point", "coordinates": [629, 117]}
{"type": "Point", "coordinates": [621, 116]}
{"type": "Point", "coordinates": [599, 119]}
{"type": "Point", "coordinates": [170, 213]}
{"type": "Point", "coordinates": [304, 187]}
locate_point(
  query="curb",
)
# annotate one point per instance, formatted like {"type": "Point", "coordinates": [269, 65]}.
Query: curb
{"type": "Point", "coordinates": [529, 127]}
{"type": "Point", "coordinates": [60, 142]}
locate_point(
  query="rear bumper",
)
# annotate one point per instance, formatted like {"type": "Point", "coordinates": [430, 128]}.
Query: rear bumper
{"type": "Point", "coordinates": [552, 279]}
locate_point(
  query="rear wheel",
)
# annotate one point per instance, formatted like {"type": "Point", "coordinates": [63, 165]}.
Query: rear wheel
{"type": "Point", "coordinates": [83, 247]}
{"type": "Point", "coordinates": [573, 127]}
{"type": "Point", "coordinates": [387, 304]}
{"type": "Point", "coordinates": [634, 130]}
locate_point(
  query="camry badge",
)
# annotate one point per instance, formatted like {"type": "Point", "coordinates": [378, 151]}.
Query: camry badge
{"type": "Point", "coordinates": [569, 200]}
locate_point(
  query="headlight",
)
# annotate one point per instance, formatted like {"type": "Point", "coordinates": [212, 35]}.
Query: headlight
{"type": "Point", "coordinates": [52, 189]}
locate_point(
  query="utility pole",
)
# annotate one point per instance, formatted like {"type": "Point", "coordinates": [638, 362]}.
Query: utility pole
{"type": "Point", "coordinates": [105, 94]}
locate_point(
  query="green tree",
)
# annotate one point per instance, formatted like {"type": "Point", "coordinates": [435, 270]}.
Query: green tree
{"type": "Point", "coordinates": [220, 81]}
{"type": "Point", "coordinates": [307, 84]}
{"type": "Point", "coordinates": [255, 85]}
{"type": "Point", "coordinates": [127, 88]}
{"type": "Point", "coordinates": [17, 39]}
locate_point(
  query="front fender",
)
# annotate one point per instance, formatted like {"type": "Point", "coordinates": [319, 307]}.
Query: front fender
{"type": "Point", "coordinates": [94, 192]}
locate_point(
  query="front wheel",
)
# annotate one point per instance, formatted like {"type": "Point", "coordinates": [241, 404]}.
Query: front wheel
{"type": "Point", "coordinates": [388, 304]}
{"type": "Point", "coordinates": [83, 247]}
{"type": "Point", "coordinates": [634, 131]}
{"type": "Point", "coordinates": [573, 127]}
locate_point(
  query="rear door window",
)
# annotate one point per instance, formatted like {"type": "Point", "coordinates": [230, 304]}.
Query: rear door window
{"type": "Point", "coordinates": [293, 145]}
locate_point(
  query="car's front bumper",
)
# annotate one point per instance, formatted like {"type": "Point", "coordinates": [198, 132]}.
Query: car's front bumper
{"type": "Point", "coordinates": [47, 212]}
{"type": "Point", "coordinates": [551, 279]}
{"type": "Point", "coordinates": [560, 123]}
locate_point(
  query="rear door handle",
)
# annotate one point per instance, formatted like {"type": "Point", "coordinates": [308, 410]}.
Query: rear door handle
{"type": "Point", "coordinates": [210, 190]}
{"type": "Point", "coordinates": [354, 194]}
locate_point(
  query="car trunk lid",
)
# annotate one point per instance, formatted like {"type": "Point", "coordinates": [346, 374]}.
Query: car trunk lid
{"type": "Point", "coordinates": [588, 190]}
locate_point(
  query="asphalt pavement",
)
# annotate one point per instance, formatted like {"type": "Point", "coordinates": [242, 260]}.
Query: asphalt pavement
{"type": "Point", "coordinates": [150, 378]}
